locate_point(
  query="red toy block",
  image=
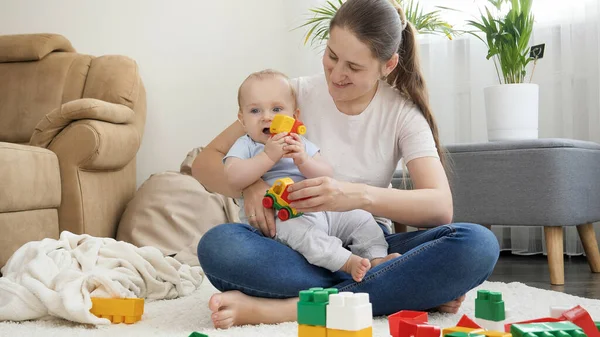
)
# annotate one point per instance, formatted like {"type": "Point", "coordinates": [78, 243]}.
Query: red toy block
{"type": "Point", "coordinates": [580, 317]}
{"type": "Point", "coordinates": [466, 322]}
{"type": "Point", "coordinates": [414, 316]}
{"type": "Point", "coordinates": [537, 320]}
{"type": "Point", "coordinates": [412, 328]}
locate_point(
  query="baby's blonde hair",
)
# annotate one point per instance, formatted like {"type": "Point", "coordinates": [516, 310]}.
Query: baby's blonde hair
{"type": "Point", "coordinates": [266, 73]}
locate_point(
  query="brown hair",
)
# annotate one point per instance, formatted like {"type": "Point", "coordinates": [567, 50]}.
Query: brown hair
{"type": "Point", "coordinates": [382, 25]}
{"type": "Point", "coordinates": [262, 74]}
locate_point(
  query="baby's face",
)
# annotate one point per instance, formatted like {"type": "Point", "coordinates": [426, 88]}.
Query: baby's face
{"type": "Point", "coordinates": [261, 100]}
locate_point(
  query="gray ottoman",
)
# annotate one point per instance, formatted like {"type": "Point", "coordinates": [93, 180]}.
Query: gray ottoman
{"type": "Point", "coordinates": [543, 182]}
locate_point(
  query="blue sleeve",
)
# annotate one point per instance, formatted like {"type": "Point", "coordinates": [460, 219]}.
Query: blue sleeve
{"type": "Point", "coordinates": [310, 148]}
{"type": "Point", "coordinates": [240, 149]}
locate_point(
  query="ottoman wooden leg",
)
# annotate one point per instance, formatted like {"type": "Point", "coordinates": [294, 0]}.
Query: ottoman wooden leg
{"type": "Point", "coordinates": [590, 246]}
{"type": "Point", "coordinates": [554, 246]}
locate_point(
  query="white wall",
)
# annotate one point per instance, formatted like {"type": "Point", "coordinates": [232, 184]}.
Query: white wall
{"type": "Point", "coordinates": [192, 55]}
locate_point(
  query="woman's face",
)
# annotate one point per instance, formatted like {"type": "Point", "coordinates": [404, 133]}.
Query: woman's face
{"type": "Point", "coordinates": [350, 68]}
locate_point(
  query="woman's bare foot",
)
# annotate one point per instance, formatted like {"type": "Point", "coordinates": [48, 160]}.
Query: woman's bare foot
{"type": "Point", "coordinates": [381, 260]}
{"type": "Point", "coordinates": [452, 306]}
{"type": "Point", "coordinates": [357, 267]}
{"type": "Point", "coordinates": [234, 308]}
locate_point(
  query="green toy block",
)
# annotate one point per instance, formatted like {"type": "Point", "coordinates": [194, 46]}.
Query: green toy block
{"type": "Point", "coordinates": [197, 334]}
{"type": "Point", "coordinates": [489, 305]}
{"type": "Point", "coordinates": [597, 325]}
{"type": "Point", "coordinates": [555, 329]}
{"type": "Point", "coordinates": [463, 334]}
{"type": "Point", "coordinates": [312, 306]}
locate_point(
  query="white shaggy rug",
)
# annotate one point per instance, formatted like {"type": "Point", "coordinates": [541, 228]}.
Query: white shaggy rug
{"type": "Point", "coordinates": [182, 316]}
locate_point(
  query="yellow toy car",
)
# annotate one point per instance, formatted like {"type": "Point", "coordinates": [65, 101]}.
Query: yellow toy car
{"type": "Point", "coordinates": [283, 123]}
{"type": "Point", "coordinates": [277, 197]}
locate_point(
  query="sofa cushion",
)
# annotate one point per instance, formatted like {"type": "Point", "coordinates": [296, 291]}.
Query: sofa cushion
{"type": "Point", "coordinates": [29, 177]}
{"type": "Point", "coordinates": [30, 90]}
{"type": "Point", "coordinates": [31, 47]}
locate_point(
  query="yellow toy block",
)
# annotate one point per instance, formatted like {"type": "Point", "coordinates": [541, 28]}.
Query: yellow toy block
{"type": "Point", "coordinates": [496, 334]}
{"type": "Point", "coordinates": [487, 333]}
{"type": "Point", "coordinates": [311, 331]}
{"type": "Point", "coordinates": [118, 310]}
{"type": "Point", "coordinates": [366, 332]}
{"type": "Point", "coordinates": [462, 329]}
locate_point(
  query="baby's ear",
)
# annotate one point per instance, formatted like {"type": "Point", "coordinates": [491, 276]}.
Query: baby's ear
{"type": "Point", "coordinates": [297, 114]}
{"type": "Point", "coordinates": [239, 117]}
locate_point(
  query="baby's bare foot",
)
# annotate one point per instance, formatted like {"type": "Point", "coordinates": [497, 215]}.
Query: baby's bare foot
{"type": "Point", "coordinates": [357, 267]}
{"type": "Point", "coordinates": [381, 260]}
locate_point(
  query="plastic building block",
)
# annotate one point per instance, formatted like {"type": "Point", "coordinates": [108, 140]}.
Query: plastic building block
{"type": "Point", "coordinates": [537, 320]}
{"type": "Point", "coordinates": [312, 306]}
{"type": "Point", "coordinates": [277, 197]}
{"type": "Point", "coordinates": [463, 334]}
{"type": "Point", "coordinates": [395, 319]}
{"type": "Point", "coordinates": [284, 123]}
{"type": "Point", "coordinates": [349, 311]}
{"type": "Point", "coordinates": [580, 317]}
{"type": "Point", "coordinates": [197, 334]}
{"type": "Point", "coordinates": [488, 333]}
{"type": "Point", "coordinates": [447, 331]}
{"type": "Point", "coordinates": [490, 325]}
{"type": "Point", "coordinates": [311, 331]}
{"type": "Point", "coordinates": [118, 310]}
{"type": "Point", "coordinates": [489, 306]}
{"type": "Point", "coordinates": [467, 322]}
{"type": "Point", "coordinates": [557, 329]}
{"type": "Point", "coordinates": [412, 328]}
{"type": "Point", "coordinates": [366, 332]}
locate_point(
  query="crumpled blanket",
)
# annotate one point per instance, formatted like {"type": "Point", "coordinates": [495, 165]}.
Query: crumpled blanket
{"type": "Point", "coordinates": [58, 277]}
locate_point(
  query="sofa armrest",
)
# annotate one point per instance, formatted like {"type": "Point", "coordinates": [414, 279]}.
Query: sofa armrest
{"type": "Point", "coordinates": [90, 134]}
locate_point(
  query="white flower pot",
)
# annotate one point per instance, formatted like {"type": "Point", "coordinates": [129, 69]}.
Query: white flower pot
{"type": "Point", "coordinates": [512, 111]}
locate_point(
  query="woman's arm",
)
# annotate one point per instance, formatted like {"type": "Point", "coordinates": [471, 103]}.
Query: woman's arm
{"type": "Point", "coordinates": [208, 166]}
{"type": "Point", "coordinates": [429, 204]}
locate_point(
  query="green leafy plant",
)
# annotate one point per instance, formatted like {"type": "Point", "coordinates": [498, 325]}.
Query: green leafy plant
{"type": "Point", "coordinates": [424, 22]}
{"type": "Point", "coordinates": [507, 37]}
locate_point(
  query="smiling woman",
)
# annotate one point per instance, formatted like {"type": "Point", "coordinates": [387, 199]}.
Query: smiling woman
{"type": "Point", "coordinates": [367, 111]}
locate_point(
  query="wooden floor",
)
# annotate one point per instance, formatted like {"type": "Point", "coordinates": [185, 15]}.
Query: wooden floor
{"type": "Point", "coordinates": [533, 271]}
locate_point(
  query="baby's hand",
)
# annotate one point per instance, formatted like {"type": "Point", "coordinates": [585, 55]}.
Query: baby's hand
{"type": "Point", "coordinates": [274, 146]}
{"type": "Point", "coordinates": [295, 149]}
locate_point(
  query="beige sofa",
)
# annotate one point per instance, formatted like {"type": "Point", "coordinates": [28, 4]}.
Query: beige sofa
{"type": "Point", "coordinates": [70, 127]}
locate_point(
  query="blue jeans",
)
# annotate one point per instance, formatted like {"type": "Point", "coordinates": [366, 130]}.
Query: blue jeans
{"type": "Point", "coordinates": [437, 266]}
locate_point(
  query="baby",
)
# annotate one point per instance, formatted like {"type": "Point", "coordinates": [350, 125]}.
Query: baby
{"type": "Point", "coordinates": [320, 236]}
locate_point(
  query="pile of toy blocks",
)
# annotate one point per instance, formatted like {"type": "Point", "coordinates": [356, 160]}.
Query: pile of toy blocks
{"type": "Point", "coordinates": [327, 313]}
{"type": "Point", "coordinates": [490, 321]}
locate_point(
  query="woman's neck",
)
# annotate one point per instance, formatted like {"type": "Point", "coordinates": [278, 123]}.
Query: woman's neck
{"type": "Point", "coordinates": [358, 105]}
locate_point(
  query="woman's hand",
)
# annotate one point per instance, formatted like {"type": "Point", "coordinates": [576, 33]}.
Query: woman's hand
{"type": "Point", "coordinates": [259, 217]}
{"type": "Point", "coordinates": [327, 194]}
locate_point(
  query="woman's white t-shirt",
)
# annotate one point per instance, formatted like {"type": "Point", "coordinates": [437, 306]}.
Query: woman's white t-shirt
{"type": "Point", "coordinates": [364, 148]}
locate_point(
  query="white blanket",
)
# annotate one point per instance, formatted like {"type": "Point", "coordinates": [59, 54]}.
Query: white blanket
{"type": "Point", "coordinates": [58, 277]}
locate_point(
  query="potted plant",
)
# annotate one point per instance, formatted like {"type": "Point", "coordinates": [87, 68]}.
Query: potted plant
{"type": "Point", "coordinates": [512, 105]}
{"type": "Point", "coordinates": [424, 22]}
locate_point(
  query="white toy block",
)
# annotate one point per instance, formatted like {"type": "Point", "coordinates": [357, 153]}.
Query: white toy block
{"type": "Point", "coordinates": [493, 325]}
{"type": "Point", "coordinates": [490, 325]}
{"type": "Point", "coordinates": [349, 311]}
{"type": "Point", "coordinates": [556, 312]}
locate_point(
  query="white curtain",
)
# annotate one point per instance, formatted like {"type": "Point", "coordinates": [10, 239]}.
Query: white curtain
{"type": "Point", "coordinates": [568, 76]}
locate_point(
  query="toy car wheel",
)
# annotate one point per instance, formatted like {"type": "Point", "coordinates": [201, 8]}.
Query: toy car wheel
{"type": "Point", "coordinates": [301, 129]}
{"type": "Point", "coordinates": [267, 202]}
{"type": "Point", "coordinates": [283, 214]}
